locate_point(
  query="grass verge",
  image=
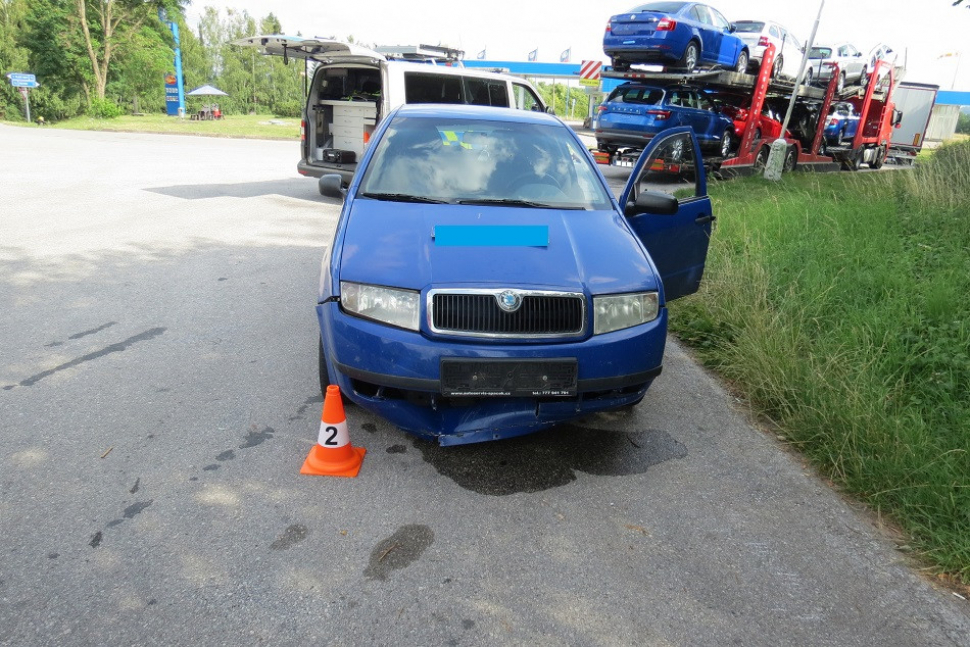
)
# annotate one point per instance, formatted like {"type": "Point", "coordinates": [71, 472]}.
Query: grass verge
{"type": "Point", "coordinates": [245, 126]}
{"type": "Point", "coordinates": [839, 305]}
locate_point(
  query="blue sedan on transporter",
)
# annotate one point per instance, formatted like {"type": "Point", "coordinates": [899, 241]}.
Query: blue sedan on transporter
{"type": "Point", "coordinates": [686, 35]}
{"type": "Point", "coordinates": [483, 282]}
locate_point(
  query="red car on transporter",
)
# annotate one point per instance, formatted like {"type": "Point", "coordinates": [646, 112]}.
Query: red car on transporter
{"type": "Point", "coordinates": [768, 125]}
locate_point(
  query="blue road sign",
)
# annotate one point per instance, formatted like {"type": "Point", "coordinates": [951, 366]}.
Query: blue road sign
{"type": "Point", "coordinates": [23, 80]}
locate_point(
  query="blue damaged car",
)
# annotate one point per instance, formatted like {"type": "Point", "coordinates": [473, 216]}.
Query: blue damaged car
{"type": "Point", "coordinates": [483, 282]}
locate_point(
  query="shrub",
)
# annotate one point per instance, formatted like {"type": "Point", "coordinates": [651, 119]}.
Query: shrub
{"type": "Point", "coordinates": [104, 108]}
{"type": "Point", "coordinates": [290, 108]}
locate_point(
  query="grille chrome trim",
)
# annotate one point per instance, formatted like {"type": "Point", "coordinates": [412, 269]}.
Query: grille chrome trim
{"type": "Point", "coordinates": [528, 296]}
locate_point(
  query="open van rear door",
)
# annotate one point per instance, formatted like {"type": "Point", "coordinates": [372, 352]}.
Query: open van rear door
{"type": "Point", "coordinates": [314, 49]}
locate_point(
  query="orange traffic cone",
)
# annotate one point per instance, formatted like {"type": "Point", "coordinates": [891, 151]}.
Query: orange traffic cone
{"type": "Point", "coordinates": [333, 455]}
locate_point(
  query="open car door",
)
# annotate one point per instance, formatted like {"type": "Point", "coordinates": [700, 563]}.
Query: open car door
{"type": "Point", "coordinates": [314, 49]}
{"type": "Point", "coordinates": [666, 204]}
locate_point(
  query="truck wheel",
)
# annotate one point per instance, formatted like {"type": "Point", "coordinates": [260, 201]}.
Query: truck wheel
{"type": "Point", "coordinates": [790, 159]}
{"type": "Point", "coordinates": [688, 62]}
{"type": "Point", "coordinates": [880, 158]}
{"type": "Point", "coordinates": [741, 67]}
{"type": "Point", "coordinates": [851, 163]}
{"type": "Point", "coordinates": [762, 160]}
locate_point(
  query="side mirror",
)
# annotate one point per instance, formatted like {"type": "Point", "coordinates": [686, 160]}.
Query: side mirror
{"type": "Point", "coordinates": [550, 110]}
{"type": "Point", "coordinates": [331, 185]}
{"type": "Point", "coordinates": [662, 204]}
{"type": "Point", "coordinates": [733, 28]}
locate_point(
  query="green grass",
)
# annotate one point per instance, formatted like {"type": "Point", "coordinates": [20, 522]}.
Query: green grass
{"type": "Point", "coordinates": [248, 126]}
{"type": "Point", "coordinates": [839, 305]}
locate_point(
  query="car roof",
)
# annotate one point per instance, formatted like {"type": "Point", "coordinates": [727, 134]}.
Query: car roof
{"type": "Point", "coordinates": [462, 111]}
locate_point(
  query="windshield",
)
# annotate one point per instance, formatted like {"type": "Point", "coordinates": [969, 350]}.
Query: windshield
{"type": "Point", "coordinates": [430, 159]}
{"type": "Point", "coordinates": [659, 7]}
{"type": "Point", "coordinates": [820, 52]}
{"type": "Point", "coordinates": [748, 27]}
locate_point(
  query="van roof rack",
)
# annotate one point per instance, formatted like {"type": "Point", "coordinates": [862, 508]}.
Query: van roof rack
{"type": "Point", "coordinates": [421, 53]}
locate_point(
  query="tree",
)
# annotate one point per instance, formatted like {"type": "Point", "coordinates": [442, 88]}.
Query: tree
{"type": "Point", "coordinates": [105, 24]}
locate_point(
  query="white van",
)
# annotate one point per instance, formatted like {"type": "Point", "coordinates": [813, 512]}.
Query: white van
{"type": "Point", "coordinates": [354, 87]}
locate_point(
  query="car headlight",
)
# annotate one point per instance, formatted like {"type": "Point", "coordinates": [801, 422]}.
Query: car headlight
{"type": "Point", "coordinates": [387, 305]}
{"type": "Point", "coordinates": [619, 311]}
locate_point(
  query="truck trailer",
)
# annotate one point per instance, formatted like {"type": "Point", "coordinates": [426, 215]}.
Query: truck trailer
{"type": "Point", "coordinates": [915, 101]}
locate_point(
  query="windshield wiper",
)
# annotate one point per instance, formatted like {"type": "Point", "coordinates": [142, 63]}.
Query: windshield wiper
{"type": "Point", "coordinates": [508, 202]}
{"type": "Point", "coordinates": [404, 197]}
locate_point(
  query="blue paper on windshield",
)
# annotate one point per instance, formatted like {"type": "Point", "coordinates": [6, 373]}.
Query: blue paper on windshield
{"type": "Point", "coordinates": [491, 236]}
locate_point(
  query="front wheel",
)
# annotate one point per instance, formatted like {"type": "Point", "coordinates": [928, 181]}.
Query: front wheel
{"type": "Point", "coordinates": [324, 373]}
{"type": "Point", "coordinates": [726, 143]}
{"type": "Point", "coordinates": [741, 66]}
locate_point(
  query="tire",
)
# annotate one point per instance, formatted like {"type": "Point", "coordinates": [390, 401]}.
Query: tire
{"type": "Point", "coordinates": [841, 84]}
{"type": "Point", "coordinates": [761, 161]}
{"type": "Point", "coordinates": [808, 77]}
{"type": "Point", "coordinates": [726, 143]}
{"type": "Point", "coordinates": [790, 159]}
{"type": "Point", "coordinates": [757, 134]}
{"type": "Point", "coordinates": [823, 147]}
{"type": "Point", "coordinates": [324, 373]}
{"type": "Point", "coordinates": [880, 159]}
{"type": "Point", "coordinates": [776, 70]}
{"type": "Point", "coordinates": [741, 65]}
{"type": "Point", "coordinates": [691, 57]}
{"type": "Point", "coordinates": [851, 163]}
{"type": "Point", "coordinates": [864, 77]}
{"type": "Point", "coordinates": [840, 141]}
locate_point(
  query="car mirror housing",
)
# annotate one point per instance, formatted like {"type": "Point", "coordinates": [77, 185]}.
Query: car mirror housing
{"type": "Point", "coordinates": [332, 186]}
{"type": "Point", "coordinates": [656, 202]}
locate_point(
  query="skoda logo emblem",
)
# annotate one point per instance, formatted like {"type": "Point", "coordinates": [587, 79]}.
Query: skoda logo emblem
{"type": "Point", "coordinates": [509, 301]}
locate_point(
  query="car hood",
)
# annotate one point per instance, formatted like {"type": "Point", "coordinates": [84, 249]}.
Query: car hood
{"type": "Point", "coordinates": [391, 244]}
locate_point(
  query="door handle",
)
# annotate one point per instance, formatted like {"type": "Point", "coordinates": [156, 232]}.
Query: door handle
{"type": "Point", "coordinates": [704, 219]}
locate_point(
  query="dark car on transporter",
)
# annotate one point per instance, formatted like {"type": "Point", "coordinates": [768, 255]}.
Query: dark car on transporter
{"type": "Point", "coordinates": [634, 113]}
{"type": "Point", "coordinates": [685, 35]}
{"type": "Point", "coordinates": [483, 282]}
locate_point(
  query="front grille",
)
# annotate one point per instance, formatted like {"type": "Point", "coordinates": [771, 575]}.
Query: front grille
{"type": "Point", "coordinates": [478, 313]}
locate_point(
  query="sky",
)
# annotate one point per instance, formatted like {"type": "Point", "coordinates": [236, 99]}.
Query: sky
{"type": "Point", "coordinates": [509, 30]}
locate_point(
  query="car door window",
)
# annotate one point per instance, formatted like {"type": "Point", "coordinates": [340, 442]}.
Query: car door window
{"type": "Point", "coordinates": [704, 103]}
{"type": "Point", "coordinates": [670, 169]}
{"type": "Point", "coordinates": [697, 13]}
{"type": "Point", "coordinates": [525, 98]}
{"type": "Point", "coordinates": [720, 21]}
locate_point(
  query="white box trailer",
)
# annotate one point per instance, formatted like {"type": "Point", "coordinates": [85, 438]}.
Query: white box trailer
{"type": "Point", "coordinates": [915, 101]}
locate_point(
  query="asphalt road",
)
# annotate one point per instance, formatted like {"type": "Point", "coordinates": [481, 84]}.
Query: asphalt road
{"type": "Point", "coordinates": [158, 395]}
